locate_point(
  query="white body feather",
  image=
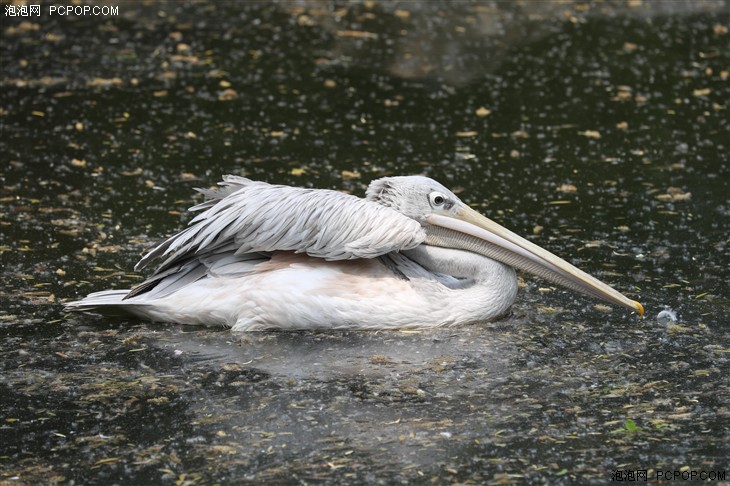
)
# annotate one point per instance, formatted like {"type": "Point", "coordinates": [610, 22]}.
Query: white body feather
{"type": "Point", "coordinates": [300, 292]}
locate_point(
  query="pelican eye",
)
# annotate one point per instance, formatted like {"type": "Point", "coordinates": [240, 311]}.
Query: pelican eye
{"type": "Point", "coordinates": [437, 199]}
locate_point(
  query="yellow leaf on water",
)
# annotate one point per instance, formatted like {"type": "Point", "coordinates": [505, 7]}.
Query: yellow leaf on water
{"type": "Point", "coordinates": [350, 175]}
{"type": "Point", "coordinates": [482, 112]}
{"type": "Point", "coordinates": [591, 134]}
{"type": "Point", "coordinates": [567, 188]}
{"type": "Point", "coordinates": [402, 14]}
{"type": "Point", "coordinates": [130, 173]}
{"type": "Point", "coordinates": [104, 82]}
{"type": "Point", "coordinates": [357, 34]}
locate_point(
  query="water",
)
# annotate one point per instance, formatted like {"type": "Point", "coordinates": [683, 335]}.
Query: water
{"type": "Point", "coordinates": [600, 131]}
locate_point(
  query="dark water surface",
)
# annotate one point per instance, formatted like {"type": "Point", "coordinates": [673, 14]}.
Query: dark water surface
{"type": "Point", "coordinates": [599, 130]}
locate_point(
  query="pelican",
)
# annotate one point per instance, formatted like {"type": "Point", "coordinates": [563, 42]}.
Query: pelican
{"type": "Point", "coordinates": [409, 255]}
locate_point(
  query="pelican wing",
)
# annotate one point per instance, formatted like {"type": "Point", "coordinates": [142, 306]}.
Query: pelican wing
{"type": "Point", "coordinates": [253, 217]}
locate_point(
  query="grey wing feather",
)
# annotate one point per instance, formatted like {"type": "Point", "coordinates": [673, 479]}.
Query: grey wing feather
{"type": "Point", "coordinates": [179, 275]}
{"type": "Point", "coordinates": [251, 216]}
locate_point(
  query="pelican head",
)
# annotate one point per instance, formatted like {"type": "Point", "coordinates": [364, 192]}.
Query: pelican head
{"type": "Point", "coordinates": [449, 223]}
{"type": "Point", "coordinates": [414, 196]}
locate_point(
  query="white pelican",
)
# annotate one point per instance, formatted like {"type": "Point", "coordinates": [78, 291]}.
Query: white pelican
{"type": "Point", "coordinates": [411, 254]}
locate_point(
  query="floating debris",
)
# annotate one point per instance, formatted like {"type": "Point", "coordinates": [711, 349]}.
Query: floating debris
{"type": "Point", "coordinates": [666, 316]}
{"type": "Point", "coordinates": [675, 194]}
{"type": "Point", "coordinates": [482, 112]}
{"type": "Point", "coordinates": [591, 134]}
{"type": "Point", "coordinates": [567, 188]}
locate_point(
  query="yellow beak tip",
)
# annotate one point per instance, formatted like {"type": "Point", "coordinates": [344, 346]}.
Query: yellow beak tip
{"type": "Point", "coordinates": [639, 308]}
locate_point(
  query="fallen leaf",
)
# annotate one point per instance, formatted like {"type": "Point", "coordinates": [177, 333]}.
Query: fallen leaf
{"type": "Point", "coordinates": [350, 175]}
{"type": "Point", "coordinates": [357, 34]}
{"type": "Point", "coordinates": [188, 176]}
{"type": "Point", "coordinates": [674, 194]}
{"type": "Point", "coordinates": [227, 95]}
{"type": "Point", "coordinates": [482, 112]}
{"type": "Point", "coordinates": [591, 134]}
{"type": "Point", "coordinates": [104, 82]}
{"type": "Point", "coordinates": [520, 134]}
{"type": "Point", "coordinates": [719, 29]}
{"type": "Point", "coordinates": [567, 188]}
{"type": "Point", "coordinates": [402, 14]}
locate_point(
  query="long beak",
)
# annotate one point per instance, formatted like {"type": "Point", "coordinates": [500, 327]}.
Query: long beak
{"type": "Point", "coordinates": [482, 235]}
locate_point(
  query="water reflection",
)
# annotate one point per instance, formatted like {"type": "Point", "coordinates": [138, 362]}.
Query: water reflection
{"type": "Point", "coordinates": [460, 42]}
